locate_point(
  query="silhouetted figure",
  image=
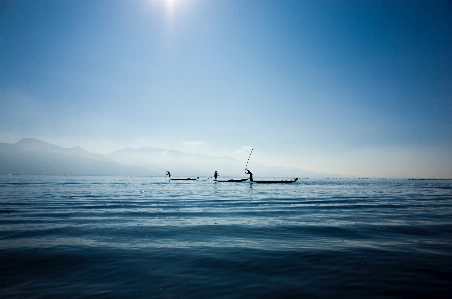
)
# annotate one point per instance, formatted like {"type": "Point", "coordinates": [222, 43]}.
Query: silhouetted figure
{"type": "Point", "coordinates": [168, 174]}
{"type": "Point", "coordinates": [215, 175]}
{"type": "Point", "coordinates": [250, 173]}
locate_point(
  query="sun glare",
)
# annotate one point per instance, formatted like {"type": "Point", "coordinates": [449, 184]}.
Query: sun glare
{"type": "Point", "coordinates": [170, 4]}
{"type": "Point", "coordinates": [170, 8]}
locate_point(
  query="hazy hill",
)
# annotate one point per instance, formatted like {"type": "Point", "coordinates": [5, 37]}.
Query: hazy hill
{"type": "Point", "coordinates": [184, 164]}
{"type": "Point", "coordinates": [177, 162]}
{"type": "Point", "coordinates": [32, 156]}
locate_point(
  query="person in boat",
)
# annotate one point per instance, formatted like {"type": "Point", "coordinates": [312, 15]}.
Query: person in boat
{"type": "Point", "coordinates": [168, 173]}
{"type": "Point", "coordinates": [215, 175]}
{"type": "Point", "coordinates": [250, 173]}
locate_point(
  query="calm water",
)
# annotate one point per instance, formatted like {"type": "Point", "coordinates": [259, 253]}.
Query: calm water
{"type": "Point", "coordinates": [118, 237]}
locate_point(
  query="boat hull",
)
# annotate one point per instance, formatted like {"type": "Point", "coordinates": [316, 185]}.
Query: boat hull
{"type": "Point", "coordinates": [231, 181]}
{"type": "Point", "coordinates": [277, 182]}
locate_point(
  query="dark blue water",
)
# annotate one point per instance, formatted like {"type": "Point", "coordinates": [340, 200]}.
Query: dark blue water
{"type": "Point", "coordinates": [118, 237]}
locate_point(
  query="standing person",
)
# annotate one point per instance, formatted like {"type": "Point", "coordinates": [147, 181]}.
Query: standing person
{"type": "Point", "coordinates": [215, 175]}
{"type": "Point", "coordinates": [250, 173]}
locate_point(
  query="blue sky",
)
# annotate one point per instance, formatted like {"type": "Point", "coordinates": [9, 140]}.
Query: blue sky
{"type": "Point", "coordinates": [359, 88]}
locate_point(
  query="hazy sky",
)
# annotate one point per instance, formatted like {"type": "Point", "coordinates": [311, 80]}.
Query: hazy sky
{"type": "Point", "coordinates": [351, 87]}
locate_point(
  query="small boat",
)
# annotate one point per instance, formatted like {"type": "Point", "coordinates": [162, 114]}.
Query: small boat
{"type": "Point", "coordinates": [215, 176]}
{"type": "Point", "coordinates": [231, 181]}
{"type": "Point", "coordinates": [247, 171]}
{"type": "Point", "coordinates": [276, 182]}
{"type": "Point", "coordinates": [180, 179]}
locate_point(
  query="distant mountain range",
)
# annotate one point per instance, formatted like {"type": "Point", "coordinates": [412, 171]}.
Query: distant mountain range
{"type": "Point", "coordinates": [32, 156]}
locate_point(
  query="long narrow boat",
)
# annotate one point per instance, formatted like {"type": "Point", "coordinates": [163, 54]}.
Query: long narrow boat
{"type": "Point", "coordinates": [180, 179]}
{"type": "Point", "coordinates": [247, 171]}
{"type": "Point", "coordinates": [276, 182]}
{"type": "Point", "coordinates": [215, 176]}
{"type": "Point", "coordinates": [231, 181]}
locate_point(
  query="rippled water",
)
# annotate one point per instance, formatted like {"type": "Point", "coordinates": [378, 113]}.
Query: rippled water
{"type": "Point", "coordinates": [73, 237]}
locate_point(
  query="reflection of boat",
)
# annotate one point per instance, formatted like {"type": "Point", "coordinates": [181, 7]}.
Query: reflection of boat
{"type": "Point", "coordinates": [277, 182]}
{"type": "Point", "coordinates": [231, 181]}
{"type": "Point", "coordinates": [180, 179]}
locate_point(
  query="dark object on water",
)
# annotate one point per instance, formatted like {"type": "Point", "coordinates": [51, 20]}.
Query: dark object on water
{"type": "Point", "coordinates": [215, 175]}
{"type": "Point", "coordinates": [180, 179]}
{"type": "Point", "coordinates": [277, 182]}
{"type": "Point", "coordinates": [231, 181]}
{"type": "Point", "coordinates": [269, 182]}
{"type": "Point", "coordinates": [247, 171]}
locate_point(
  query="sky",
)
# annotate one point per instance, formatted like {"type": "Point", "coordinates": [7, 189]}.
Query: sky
{"type": "Point", "coordinates": [357, 88]}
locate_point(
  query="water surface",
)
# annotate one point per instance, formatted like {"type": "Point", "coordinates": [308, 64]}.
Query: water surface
{"type": "Point", "coordinates": [119, 237]}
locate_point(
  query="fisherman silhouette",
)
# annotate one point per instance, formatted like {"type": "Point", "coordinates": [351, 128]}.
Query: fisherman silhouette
{"type": "Point", "coordinates": [250, 173]}
{"type": "Point", "coordinates": [215, 175]}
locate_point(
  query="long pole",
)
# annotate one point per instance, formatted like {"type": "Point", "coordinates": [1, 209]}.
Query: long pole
{"type": "Point", "coordinates": [246, 166]}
